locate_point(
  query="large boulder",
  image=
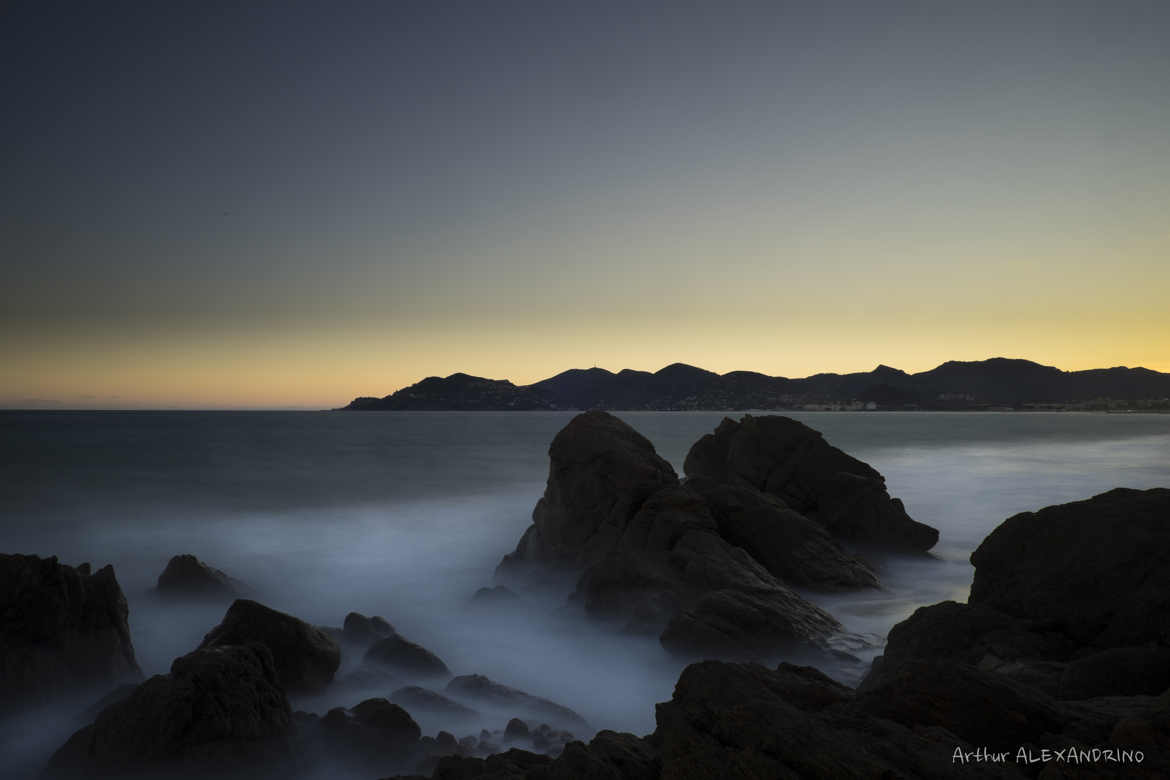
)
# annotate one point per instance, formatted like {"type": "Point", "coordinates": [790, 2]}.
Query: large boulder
{"type": "Point", "coordinates": [306, 657]}
{"type": "Point", "coordinates": [600, 472]}
{"type": "Point", "coordinates": [220, 710]}
{"type": "Point", "coordinates": [787, 459]}
{"type": "Point", "coordinates": [1095, 568]}
{"type": "Point", "coordinates": [1070, 602]}
{"type": "Point", "coordinates": [188, 577]}
{"type": "Point", "coordinates": [63, 630]}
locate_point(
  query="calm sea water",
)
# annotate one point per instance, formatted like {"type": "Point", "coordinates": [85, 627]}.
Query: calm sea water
{"type": "Point", "coordinates": [406, 514]}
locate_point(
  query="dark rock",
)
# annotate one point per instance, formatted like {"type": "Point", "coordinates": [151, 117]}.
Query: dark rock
{"type": "Point", "coordinates": [743, 720]}
{"type": "Point", "coordinates": [731, 622]}
{"type": "Point", "coordinates": [306, 657]}
{"type": "Point", "coordinates": [219, 709]}
{"type": "Point", "coordinates": [1020, 649]}
{"type": "Point", "coordinates": [1037, 614]}
{"type": "Point", "coordinates": [361, 630]}
{"type": "Point", "coordinates": [609, 756]}
{"type": "Point", "coordinates": [789, 460]}
{"type": "Point", "coordinates": [980, 707]}
{"type": "Point", "coordinates": [651, 552]}
{"type": "Point", "coordinates": [1118, 671]}
{"type": "Point", "coordinates": [401, 655]}
{"type": "Point", "coordinates": [516, 729]}
{"type": "Point", "coordinates": [795, 549]}
{"type": "Point", "coordinates": [187, 576]}
{"type": "Point", "coordinates": [393, 724]}
{"type": "Point", "coordinates": [600, 472]}
{"type": "Point", "coordinates": [372, 738]}
{"type": "Point", "coordinates": [63, 630]}
{"type": "Point", "coordinates": [414, 698]}
{"type": "Point", "coordinates": [487, 692]}
{"type": "Point", "coordinates": [1095, 568]}
{"type": "Point", "coordinates": [511, 765]}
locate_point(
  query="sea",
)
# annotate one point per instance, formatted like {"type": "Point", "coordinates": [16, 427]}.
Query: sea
{"type": "Point", "coordinates": [407, 514]}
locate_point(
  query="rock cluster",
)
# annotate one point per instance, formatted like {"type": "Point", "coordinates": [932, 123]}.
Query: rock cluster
{"type": "Point", "coordinates": [708, 563]}
{"type": "Point", "coordinates": [1028, 680]}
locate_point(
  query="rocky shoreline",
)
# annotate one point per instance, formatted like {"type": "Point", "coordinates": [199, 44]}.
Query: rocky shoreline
{"type": "Point", "coordinates": [1060, 654]}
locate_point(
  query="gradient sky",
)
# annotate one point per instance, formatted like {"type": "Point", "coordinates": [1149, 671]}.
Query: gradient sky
{"type": "Point", "coordinates": [287, 205]}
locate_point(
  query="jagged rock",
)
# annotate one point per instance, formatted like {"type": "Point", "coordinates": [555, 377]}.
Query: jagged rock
{"type": "Point", "coordinates": [1093, 568]}
{"type": "Point", "coordinates": [63, 630]}
{"type": "Point", "coordinates": [488, 693]}
{"type": "Point", "coordinates": [400, 655]}
{"type": "Point", "coordinates": [787, 459]}
{"type": "Point", "coordinates": [650, 550]}
{"type": "Point", "coordinates": [797, 550]}
{"type": "Point", "coordinates": [306, 657]}
{"type": "Point", "coordinates": [219, 709]}
{"type": "Point", "coordinates": [361, 630]}
{"type": "Point", "coordinates": [600, 472]}
{"type": "Point", "coordinates": [187, 576]}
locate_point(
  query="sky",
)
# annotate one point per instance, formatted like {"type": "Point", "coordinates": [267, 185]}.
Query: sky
{"type": "Point", "coordinates": [286, 205]}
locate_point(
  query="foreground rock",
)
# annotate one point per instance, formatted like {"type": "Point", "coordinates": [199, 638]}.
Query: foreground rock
{"type": "Point", "coordinates": [306, 658]}
{"type": "Point", "coordinates": [1072, 600]}
{"type": "Point", "coordinates": [650, 551]}
{"type": "Point", "coordinates": [188, 577]}
{"type": "Point", "coordinates": [220, 710]}
{"type": "Point", "coordinates": [1094, 569]}
{"type": "Point", "coordinates": [63, 631]}
{"type": "Point", "coordinates": [789, 460]}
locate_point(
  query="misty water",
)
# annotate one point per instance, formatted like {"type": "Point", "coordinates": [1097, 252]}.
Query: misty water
{"type": "Point", "coordinates": [405, 515]}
